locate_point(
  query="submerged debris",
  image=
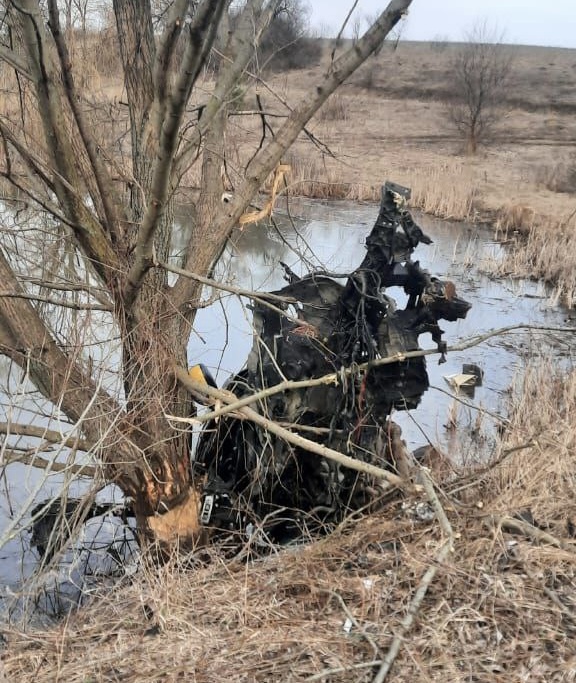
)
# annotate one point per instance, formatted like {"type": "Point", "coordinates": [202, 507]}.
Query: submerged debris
{"type": "Point", "coordinates": [258, 485]}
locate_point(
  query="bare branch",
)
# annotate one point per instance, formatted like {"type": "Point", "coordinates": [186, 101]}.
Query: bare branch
{"type": "Point", "coordinates": [89, 232]}
{"type": "Point", "coordinates": [269, 157]}
{"type": "Point", "coordinates": [11, 58]}
{"type": "Point", "coordinates": [34, 460]}
{"type": "Point", "coordinates": [202, 33]}
{"type": "Point", "coordinates": [274, 428]}
{"type": "Point", "coordinates": [57, 302]}
{"type": "Point", "coordinates": [107, 194]}
{"type": "Point", "coordinates": [335, 377]}
{"type": "Point", "coordinates": [442, 555]}
{"type": "Point", "coordinates": [45, 434]}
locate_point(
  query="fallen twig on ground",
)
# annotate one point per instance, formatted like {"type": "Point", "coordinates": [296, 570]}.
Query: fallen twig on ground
{"type": "Point", "coordinates": [414, 607]}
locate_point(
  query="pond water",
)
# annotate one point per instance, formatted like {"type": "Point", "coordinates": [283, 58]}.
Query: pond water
{"type": "Point", "coordinates": [331, 236]}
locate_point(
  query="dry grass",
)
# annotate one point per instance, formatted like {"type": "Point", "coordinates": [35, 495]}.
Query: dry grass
{"type": "Point", "coordinates": [395, 128]}
{"type": "Point", "coordinates": [547, 252]}
{"type": "Point", "coordinates": [389, 122]}
{"type": "Point", "coordinates": [501, 609]}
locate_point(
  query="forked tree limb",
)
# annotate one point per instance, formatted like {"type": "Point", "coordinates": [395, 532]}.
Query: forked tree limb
{"type": "Point", "coordinates": [268, 425]}
{"type": "Point", "coordinates": [202, 32]}
{"type": "Point", "coordinates": [270, 156]}
{"type": "Point", "coordinates": [110, 201]}
{"type": "Point", "coordinates": [52, 102]}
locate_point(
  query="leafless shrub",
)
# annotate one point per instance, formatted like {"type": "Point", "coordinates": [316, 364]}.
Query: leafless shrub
{"type": "Point", "coordinates": [481, 74]}
{"type": "Point", "coordinates": [439, 43]}
{"type": "Point", "coordinates": [287, 44]}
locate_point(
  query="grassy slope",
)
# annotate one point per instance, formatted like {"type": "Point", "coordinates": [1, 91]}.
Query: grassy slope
{"type": "Point", "coordinates": [390, 122]}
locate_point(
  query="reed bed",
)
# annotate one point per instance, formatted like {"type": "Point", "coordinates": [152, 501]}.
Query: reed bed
{"type": "Point", "coordinates": [319, 178]}
{"type": "Point", "coordinates": [547, 252]}
{"type": "Point", "coordinates": [501, 608]}
{"type": "Point", "coordinates": [447, 191]}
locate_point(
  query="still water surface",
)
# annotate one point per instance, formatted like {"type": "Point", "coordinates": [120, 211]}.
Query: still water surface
{"type": "Point", "coordinates": [331, 236]}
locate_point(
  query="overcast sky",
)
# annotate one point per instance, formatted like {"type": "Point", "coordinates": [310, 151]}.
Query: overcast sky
{"type": "Point", "coordinates": [527, 22]}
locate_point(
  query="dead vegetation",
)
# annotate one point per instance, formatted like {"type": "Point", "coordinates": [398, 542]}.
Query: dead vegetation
{"type": "Point", "coordinates": [500, 607]}
{"type": "Point", "coordinates": [389, 122]}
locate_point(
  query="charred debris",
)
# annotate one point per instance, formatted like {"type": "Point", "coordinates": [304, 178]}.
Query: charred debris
{"type": "Point", "coordinates": [256, 480]}
{"type": "Point", "coordinates": [330, 323]}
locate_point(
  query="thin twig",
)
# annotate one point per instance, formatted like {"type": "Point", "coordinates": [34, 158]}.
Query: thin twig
{"type": "Point", "coordinates": [13, 428]}
{"type": "Point", "coordinates": [34, 460]}
{"type": "Point", "coordinates": [333, 378]}
{"type": "Point", "coordinates": [57, 302]}
{"type": "Point", "coordinates": [355, 622]}
{"type": "Point", "coordinates": [414, 607]}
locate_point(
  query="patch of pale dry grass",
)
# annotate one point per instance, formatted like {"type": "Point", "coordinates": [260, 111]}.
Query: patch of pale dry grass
{"type": "Point", "coordinates": [502, 608]}
{"type": "Point", "coordinates": [320, 178]}
{"type": "Point", "coordinates": [547, 252]}
{"type": "Point", "coordinates": [447, 191]}
{"type": "Point", "coordinates": [541, 478]}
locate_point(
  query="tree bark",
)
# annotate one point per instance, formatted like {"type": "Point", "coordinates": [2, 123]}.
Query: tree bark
{"type": "Point", "coordinates": [123, 235]}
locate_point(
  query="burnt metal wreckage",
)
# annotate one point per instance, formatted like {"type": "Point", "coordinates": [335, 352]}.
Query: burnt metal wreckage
{"type": "Point", "coordinates": [254, 480]}
{"type": "Point", "coordinates": [257, 480]}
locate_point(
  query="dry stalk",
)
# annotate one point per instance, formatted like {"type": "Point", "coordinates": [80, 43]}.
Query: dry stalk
{"type": "Point", "coordinates": [414, 607]}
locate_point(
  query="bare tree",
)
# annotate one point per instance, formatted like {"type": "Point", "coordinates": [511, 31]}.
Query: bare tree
{"type": "Point", "coordinates": [107, 199]}
{"type": "Point", "coordinates": [480, 72]}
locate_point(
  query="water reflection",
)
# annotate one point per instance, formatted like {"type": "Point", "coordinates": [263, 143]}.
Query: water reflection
{"type": "Point", "coordinates": [332, 238]}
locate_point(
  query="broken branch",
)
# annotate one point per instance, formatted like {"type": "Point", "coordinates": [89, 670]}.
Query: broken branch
{"type": "Point", "coordinates": [274, 428]}
{"type": "Point", "coordinates": [414, 607]}
{"type": "Point", "coordinates": [332, 378]}
{"type": "Point", "coordinates": [34, 460]}
{"type": "Point", "coordinates": [50, 435]}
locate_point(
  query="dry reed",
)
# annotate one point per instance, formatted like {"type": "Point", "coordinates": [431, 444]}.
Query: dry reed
{"type": "Point", "coordinates": [548, 253]}
{"type": "Point", "coordinates": [502, 608]}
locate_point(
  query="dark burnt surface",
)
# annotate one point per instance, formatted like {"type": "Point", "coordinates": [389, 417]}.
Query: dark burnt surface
{"type": "Point", "coordinates": [332, 327]}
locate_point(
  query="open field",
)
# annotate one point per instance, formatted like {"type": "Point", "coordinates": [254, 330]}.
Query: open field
{"type": "Point", "coordinates": [390, 122]}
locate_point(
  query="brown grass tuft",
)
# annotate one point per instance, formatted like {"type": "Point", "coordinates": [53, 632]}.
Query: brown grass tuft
{"type": "Point", "coordinates": [501, 609]}
{"type": "Point", "coordinates": [548, 253]}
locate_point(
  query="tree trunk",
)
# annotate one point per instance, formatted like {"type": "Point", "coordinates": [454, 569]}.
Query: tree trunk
{"type": "Point", "coordinates": [125, 236]}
